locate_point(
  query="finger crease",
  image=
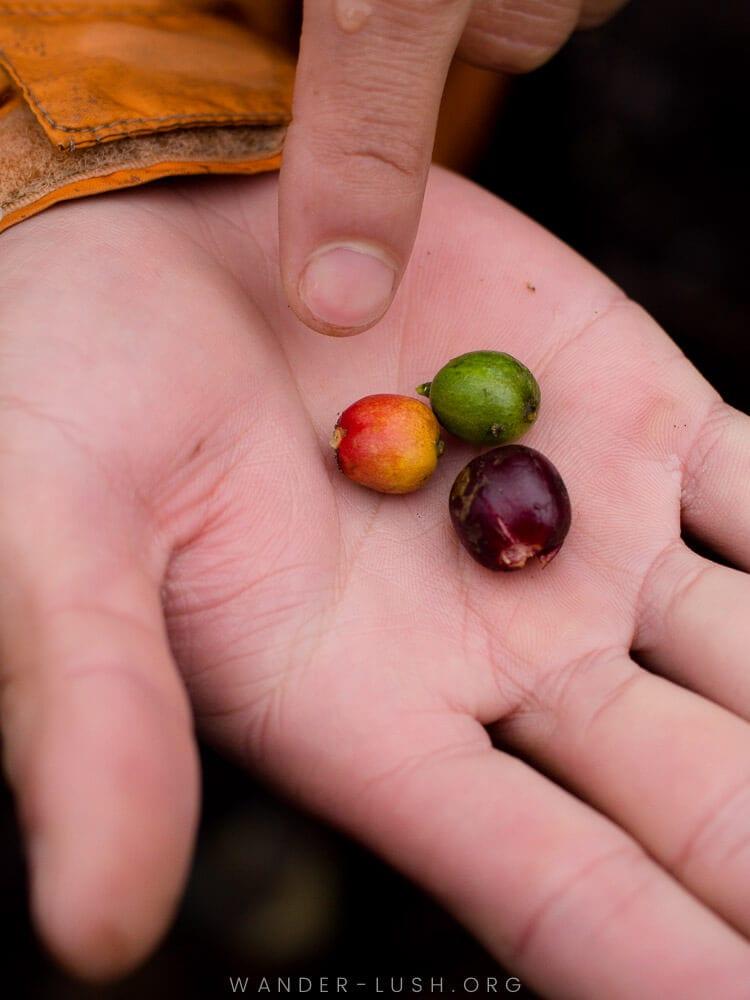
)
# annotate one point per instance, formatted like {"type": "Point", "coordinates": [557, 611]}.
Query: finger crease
{"type": "Point", "coordinates": [711, 818]}
{"type": "Point", "coordinates": [531, 928]}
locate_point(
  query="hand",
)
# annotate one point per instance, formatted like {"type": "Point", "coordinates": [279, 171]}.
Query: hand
{"type": "Point", "coordinates": [369, 82]}
{"type": "Point", "coordinates": [166, 472]}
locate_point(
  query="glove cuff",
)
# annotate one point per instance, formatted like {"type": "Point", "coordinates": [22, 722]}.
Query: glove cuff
{"type": "Point", "coordinates": [99, 97]}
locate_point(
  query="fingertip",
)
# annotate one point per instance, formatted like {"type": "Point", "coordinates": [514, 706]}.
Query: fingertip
{"type": "Point", "coordinates": [345, 287]}
{"type": "Point", "coordinates": [91, 943]}
{"type": "Point", "coordinates": [102, 899]}
{"type": "Point", "coordinates": [110, 806]}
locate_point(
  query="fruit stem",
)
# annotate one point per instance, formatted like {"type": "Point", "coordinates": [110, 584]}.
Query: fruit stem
{"type": "Point", "coordinates": [339, 433]}
{"type": "Point", "coordinates": [424, 389]}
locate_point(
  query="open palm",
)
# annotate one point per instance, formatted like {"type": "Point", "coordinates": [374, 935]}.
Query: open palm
{"type": "Point", "coordinates": [169, 497]}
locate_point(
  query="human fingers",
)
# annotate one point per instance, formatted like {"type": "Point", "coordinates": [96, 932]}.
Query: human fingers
{"type": "Point", "coordinates": [559, 894]}
{"type": "Point", "coordinates": [369, 81]}
{"type": "Point", "coordinates": [716, 494]}
{"type": "Point", "coordinates": [667, 765]}
{"type": "Point", "coordinates": [694, 627]}
{"type": "Point", "coordinates": [596, 12]}
{"type": "Point", "coordinates": [97, 733]}
{"type": "Point", "coordinates": [519, 35]}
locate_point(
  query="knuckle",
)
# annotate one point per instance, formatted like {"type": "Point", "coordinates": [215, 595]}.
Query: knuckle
{"type": "Point", "coordinates": [688, 591]}
{"type": "Point", "coordinates": [580, 696]}
{"type": "Point", "coordinates": [503, 54]}
{"type": "Point", "coordinates": [625, 870]}
{"type": "Point", "coordinates": [597, 12]}
{"type": "Point", "coordinates": [716, 428]}
{"type": "Point", "coordinates": [395, 158]}
{"type": "Point", "coordinates": [407, 771]}
{"type": "Point", "coordinates": [424, 7]}
{"type": "Point", "coordinates": [363, 144]}
{"type": "Point", "coordinates": [521, 36]}
{"type": "Point", "coordinates": [721, 834]}
{"type": "Point", "coordinates": [650, 613]}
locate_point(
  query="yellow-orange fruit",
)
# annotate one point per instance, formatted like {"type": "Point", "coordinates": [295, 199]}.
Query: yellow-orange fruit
{"type": "Point", "coordinates": [388, 443]}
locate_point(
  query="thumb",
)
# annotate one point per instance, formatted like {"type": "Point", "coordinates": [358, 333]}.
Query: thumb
{"type": "Point", "coordinates": [369, 81]}
{"type": "Point", "coordinates": [97, 733]}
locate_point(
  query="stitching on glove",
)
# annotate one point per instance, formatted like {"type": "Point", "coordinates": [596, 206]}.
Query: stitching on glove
{"type": "Point", "coordinates": [245, 119]}
{"type": "Point", "coordinates": [52, 11]}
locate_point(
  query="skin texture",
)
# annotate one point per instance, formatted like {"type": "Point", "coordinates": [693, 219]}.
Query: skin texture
{"type": "Point", "coordinates": [388, 443]}
{"type": "Point", "coordinates": [369, 81]}
{"type": "Point", "coordinates": [166, 472]}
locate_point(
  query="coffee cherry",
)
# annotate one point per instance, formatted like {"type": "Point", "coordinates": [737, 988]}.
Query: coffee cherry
{"type": "Point", "coordinates": [486, 397]}
{"type": "Point", "coordinates": [510, 505]}
{"type": "Point", "coordinates": [388, 443]}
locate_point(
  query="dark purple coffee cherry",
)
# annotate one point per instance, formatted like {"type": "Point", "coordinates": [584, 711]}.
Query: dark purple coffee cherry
{"type": "Point", "coordinates": [510, 505]}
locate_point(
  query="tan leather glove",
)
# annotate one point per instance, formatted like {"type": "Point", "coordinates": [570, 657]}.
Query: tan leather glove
{"type": "Point", "coordinates": [102, 94]}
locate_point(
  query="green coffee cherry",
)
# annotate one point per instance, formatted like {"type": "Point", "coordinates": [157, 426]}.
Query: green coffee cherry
{"type": "Point", "coordinates": [485, 396]}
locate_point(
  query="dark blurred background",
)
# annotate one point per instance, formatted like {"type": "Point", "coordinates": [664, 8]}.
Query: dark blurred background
{"type": "Point", "coordinates": [629, 146]}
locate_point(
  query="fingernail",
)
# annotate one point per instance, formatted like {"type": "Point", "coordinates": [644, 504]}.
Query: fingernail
{"type": "Point", "coordinates": [347, 285]}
